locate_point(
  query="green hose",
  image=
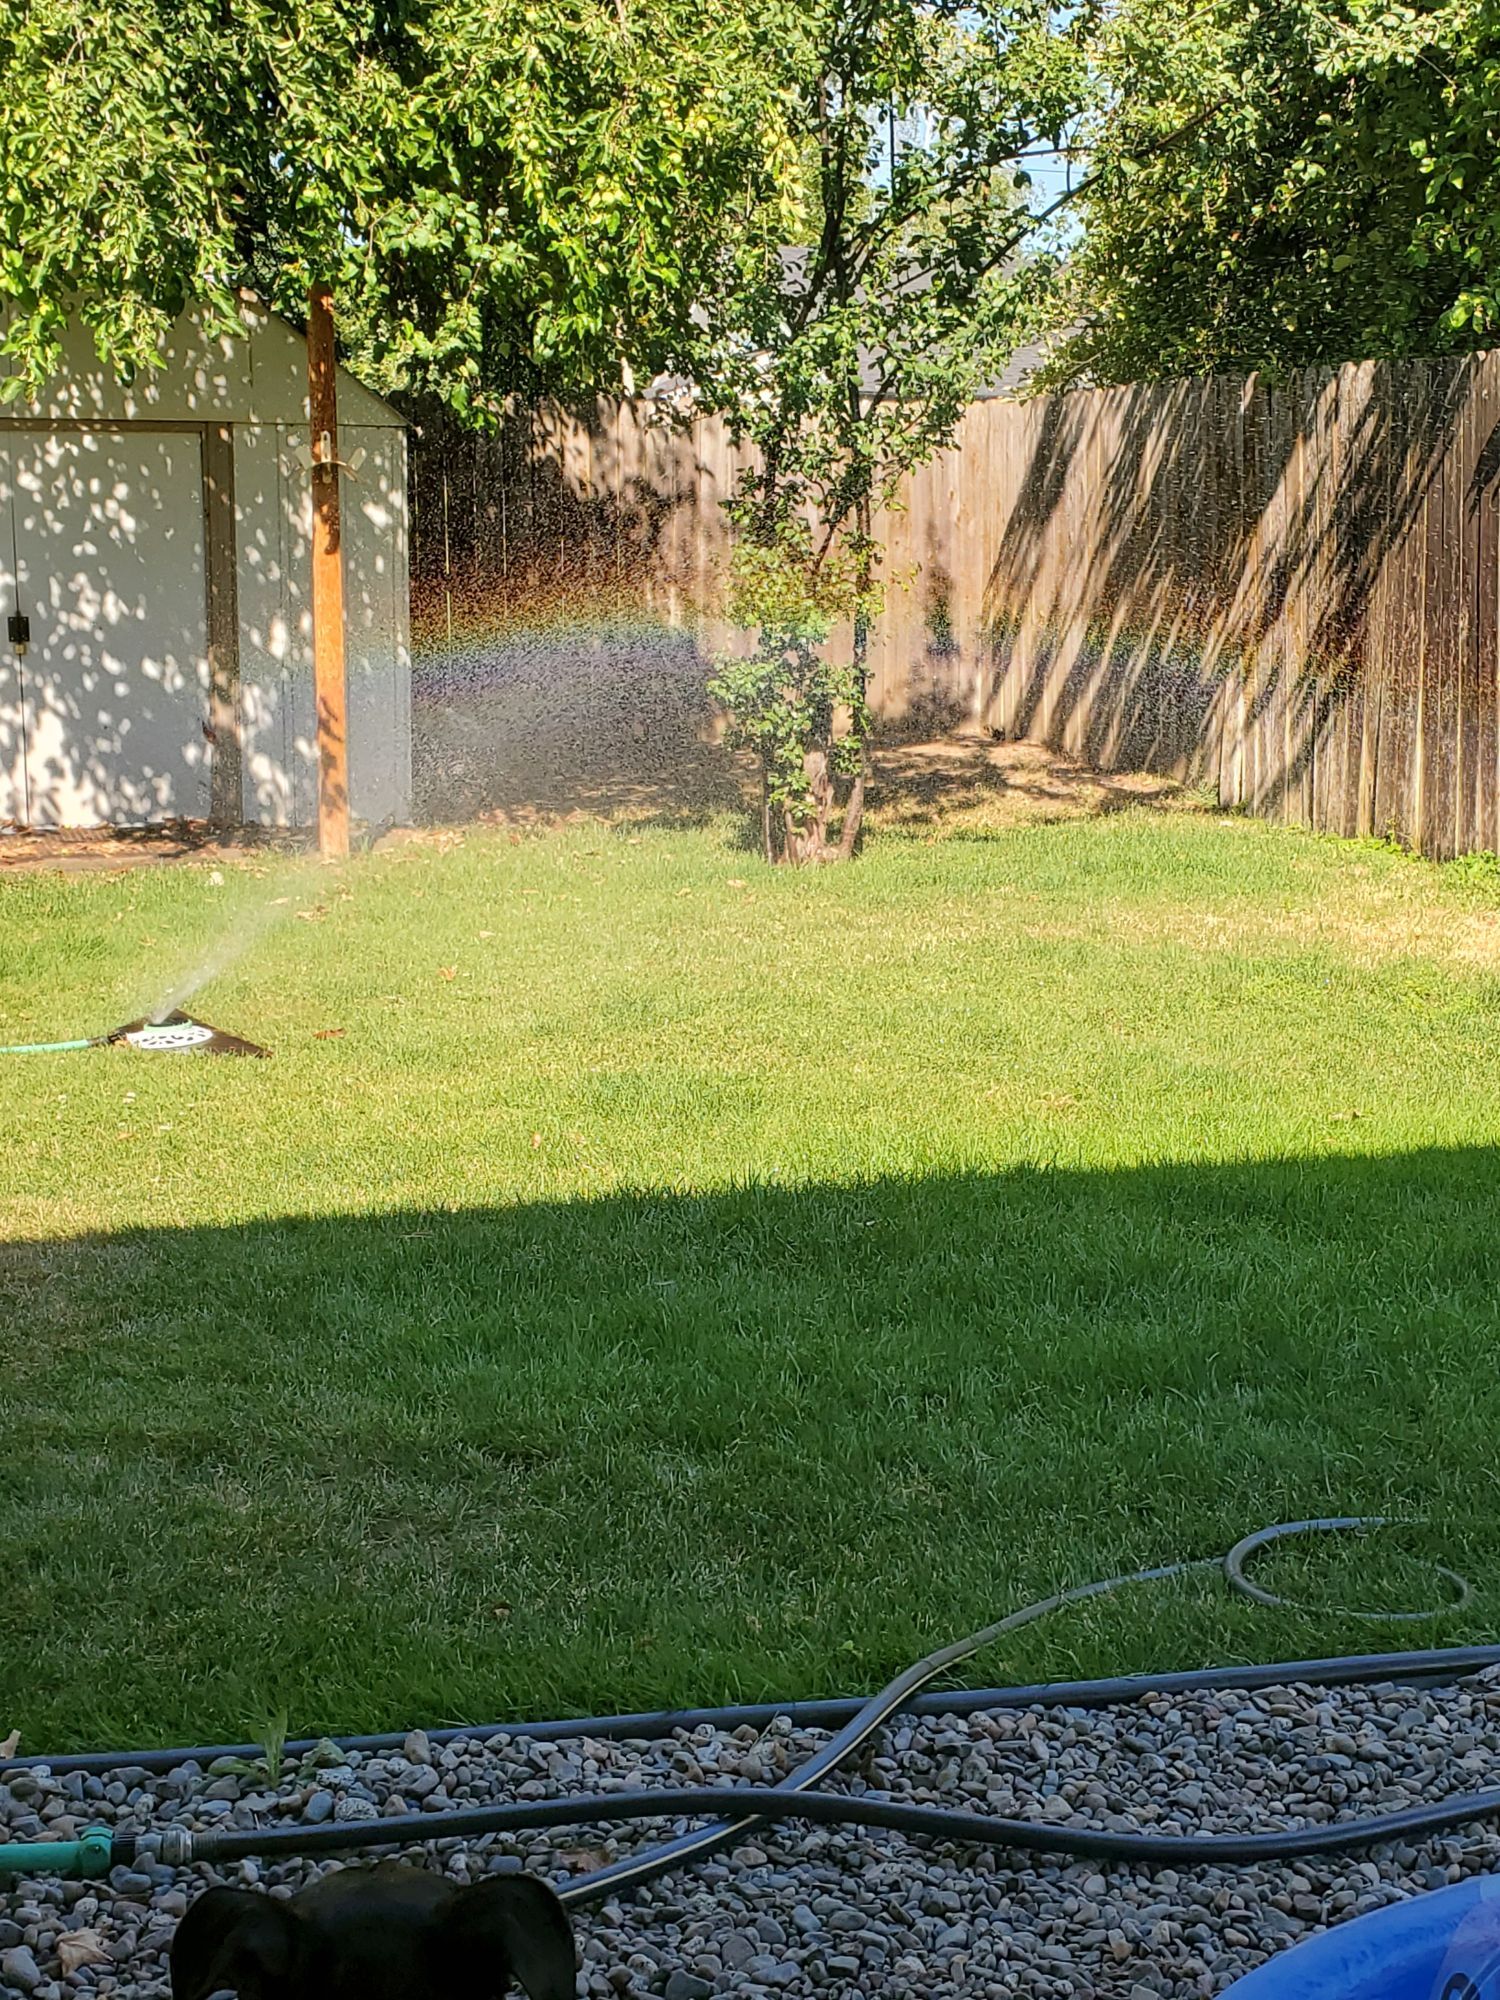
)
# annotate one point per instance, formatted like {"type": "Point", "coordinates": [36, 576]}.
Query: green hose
{"type": "Point", "coordinates": [48, 1048]}
{"type": "Point", "coordinates": [88, 1858]}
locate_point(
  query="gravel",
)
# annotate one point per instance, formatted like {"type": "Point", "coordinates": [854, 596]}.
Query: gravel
{"type": "Point", "coordinates": [828, 1912]}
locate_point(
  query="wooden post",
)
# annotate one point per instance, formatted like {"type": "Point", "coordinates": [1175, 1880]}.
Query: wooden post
{"type": "Point", "coordinates": [327, 582]}
{"type": "Point", "coordinates": [226, 798]}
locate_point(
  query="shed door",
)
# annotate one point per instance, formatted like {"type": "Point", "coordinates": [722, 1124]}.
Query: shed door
{"type": "Point", "coordinates": [105, 559]}
{"type": "Point", "coordinates": [12, 739]}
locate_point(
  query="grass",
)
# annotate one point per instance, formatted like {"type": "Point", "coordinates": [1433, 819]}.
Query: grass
{"type": "Point", "coordinates": [676, 1282]}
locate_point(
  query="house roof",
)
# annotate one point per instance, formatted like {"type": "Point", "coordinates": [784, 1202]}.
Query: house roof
{"type": "Point", "coordinates": [1017, 372]}
{"type": "Point", "coordinates": [1010, 382]}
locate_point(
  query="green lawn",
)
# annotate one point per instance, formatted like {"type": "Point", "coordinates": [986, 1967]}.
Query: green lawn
{"type": "Point", "coordinates": [725, 1283]}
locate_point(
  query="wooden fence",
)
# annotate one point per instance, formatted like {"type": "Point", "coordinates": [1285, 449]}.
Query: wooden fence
{"type": "Point", "coordinates": [1289, 593]}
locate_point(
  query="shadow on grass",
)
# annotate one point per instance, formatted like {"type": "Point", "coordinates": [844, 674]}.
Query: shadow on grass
{"type": "Point", "coordinates": [477, 766]}
{"type": "Point", "coordinates": [965, 783]}
{"type": "Point", "coordinates": [659, 1448]}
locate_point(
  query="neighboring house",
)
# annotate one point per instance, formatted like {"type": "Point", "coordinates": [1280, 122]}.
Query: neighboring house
{"type": "Point", "coordinates": [155, 577]}
{"type": "Point", "coordinates": [675, 393]}
{"type": "Point", "coordinates": [1017, 373]}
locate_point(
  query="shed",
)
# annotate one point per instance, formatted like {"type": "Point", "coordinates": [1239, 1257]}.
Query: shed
{"type": "Point", "coordinates": [155, 591]}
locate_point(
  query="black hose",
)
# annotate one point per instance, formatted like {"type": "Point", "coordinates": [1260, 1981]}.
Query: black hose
{"type": "Point", "coordinates": [760, 1806]}
{"type": "Point", "coordinates": [1342, 1670]}
{"type": "Point", "coordinates": [857, 1731]}
{"type": "Point", "coordinates": [795, 1797]}
{"type": "Point", "coordinates": [1430, 1664]}
{"type": "Point", "coordinates": [704, 1840]}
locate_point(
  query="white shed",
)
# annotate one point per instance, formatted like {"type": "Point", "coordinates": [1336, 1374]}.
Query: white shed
{"type": "Point", "coordinates": [155, 586]}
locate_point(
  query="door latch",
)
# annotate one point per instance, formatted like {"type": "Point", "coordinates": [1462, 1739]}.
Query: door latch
{"type": "Point", "coordinates": [18, 630]}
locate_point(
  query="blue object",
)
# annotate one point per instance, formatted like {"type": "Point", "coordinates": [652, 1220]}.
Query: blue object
{"type": "Point", "coordinates": [1442, 1946]}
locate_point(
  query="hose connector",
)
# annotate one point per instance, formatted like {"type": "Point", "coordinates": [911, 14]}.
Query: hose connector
{"type": "Point", "coordinates": [169, 1846]}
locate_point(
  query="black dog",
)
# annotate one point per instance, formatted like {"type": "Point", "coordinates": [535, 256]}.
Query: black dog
{"type": "Point", "coordinates": [387, 1933]}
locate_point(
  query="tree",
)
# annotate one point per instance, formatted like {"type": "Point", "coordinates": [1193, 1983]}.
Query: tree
{"type": "Point", "coordinates": [503, 194]}
{"type": "Point", "coordinates": [1286, 183]}
{"type": "Point", "coordinates": [848, 360]}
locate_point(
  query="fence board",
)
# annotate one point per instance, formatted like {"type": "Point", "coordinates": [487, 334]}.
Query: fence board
{"type": "Point", "coordinates": [1482, 527]}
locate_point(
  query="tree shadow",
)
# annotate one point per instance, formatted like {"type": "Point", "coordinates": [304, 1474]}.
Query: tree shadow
{"type": "Point", "coordinates": [934, 692]}
{"type": "Point", "coordinates": [963, 784]}
{"type": "Point", "coordinates": [440, 1464]}
{"type": "Point", "coordinates": [103, 712]}
{"type": "Point", "coordinates": [1283, 590]}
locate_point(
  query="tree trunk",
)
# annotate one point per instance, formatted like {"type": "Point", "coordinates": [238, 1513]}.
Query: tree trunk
{"type": "Point", "coordinates": [807, 839]}
{"type": "Point", "coordinates": [854, 811]}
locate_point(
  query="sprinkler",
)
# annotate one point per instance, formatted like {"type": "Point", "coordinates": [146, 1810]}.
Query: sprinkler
{"type": "Point", "coordinates": [179, 1034]}
{"type": "Point", "coordinates": [175, 1033]}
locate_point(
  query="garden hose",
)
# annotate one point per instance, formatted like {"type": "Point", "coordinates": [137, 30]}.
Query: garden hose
{"type": "Point", "coordinates": [1411, 1669]}
{"type": "Point", "coordinates": [795, 1797]}
{"type": "Point", "coordinates": [878, 1710]}
{"type": "Point", "coordinates": [51, 1048]}
{"type": "Point", "coordinates": [1234, 1572]}
{"type": "Point", "coordinates": [762, 1805]}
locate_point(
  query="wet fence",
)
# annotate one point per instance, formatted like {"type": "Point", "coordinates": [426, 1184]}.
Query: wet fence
{"type": "Point", "coordinates": [1287, 593]}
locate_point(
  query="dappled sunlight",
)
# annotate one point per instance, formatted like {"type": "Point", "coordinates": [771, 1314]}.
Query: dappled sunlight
{"type": "Point", "coordinates": [974, 784]}
{"type": "Point", "coordinates": [155, 549]}
{"type": "Point", "coordinates": [107, 703]}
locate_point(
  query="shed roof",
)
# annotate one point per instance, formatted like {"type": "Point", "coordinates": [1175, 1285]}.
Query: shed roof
{"type": "Point", "coordinates": [259, 380]}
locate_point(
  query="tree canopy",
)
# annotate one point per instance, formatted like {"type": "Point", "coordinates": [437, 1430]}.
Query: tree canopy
{"type": "Point", "coordinates": [503, 194]}
{"type": "Point", "coordinates": [1286, 182]}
